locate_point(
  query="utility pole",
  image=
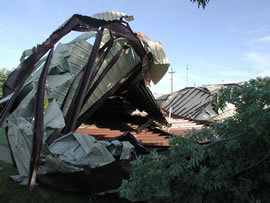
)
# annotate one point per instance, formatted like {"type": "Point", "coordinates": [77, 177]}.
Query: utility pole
{"type": "Point", "coordinates": [187, 77]}
{"type": "Point", "coordinates": [170, 111]}
{"type": "Point", "coordinates": [172, 72]}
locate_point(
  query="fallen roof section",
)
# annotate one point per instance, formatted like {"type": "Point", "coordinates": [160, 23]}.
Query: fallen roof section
{"type": "Point", "coordinates": [55, 90]}
{"type": "Point", "coordinates": [195, 103]}
{"type": "Point", "coordinates": [149, 137]}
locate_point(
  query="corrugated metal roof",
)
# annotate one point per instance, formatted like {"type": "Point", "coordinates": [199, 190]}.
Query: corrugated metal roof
{"type": "Point", "coordinates": [183, 124]}
{"type": "Point", "coordinates": [196, 103]}
{"type": "Point", "coordinates": [149, 137]}
{"type": "Point", "coordinates": [189, 103]}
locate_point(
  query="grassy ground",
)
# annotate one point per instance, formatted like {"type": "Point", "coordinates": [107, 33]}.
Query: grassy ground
{"type": "Point", "coordinates": [11, 191]}
{"type": "Point", "coordinates": [3, 138]}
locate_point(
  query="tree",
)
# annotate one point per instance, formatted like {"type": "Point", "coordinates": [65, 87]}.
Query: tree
{"type": "Point", "coordinates": [201, 2]}
{"type": "Point", "coordinates": [4, 73]}
{"type": "Point", "coordinates": [233, 165]}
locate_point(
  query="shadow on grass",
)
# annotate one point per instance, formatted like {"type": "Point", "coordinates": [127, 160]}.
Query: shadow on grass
{"type": "Point", "coordinates": [3, 138]}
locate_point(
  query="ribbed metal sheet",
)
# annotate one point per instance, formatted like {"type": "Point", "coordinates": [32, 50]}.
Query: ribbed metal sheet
{"type": "Point", "coordinates": [110, 16]}
{"type": "Point", "coordinates": [77, 60]}
{"type": "Point", "coordinates": [160, 61]}
{"type": "Point", "coordinates": [123, 65]}
{"type": "Point", "coordinates": [190, 103]}
{"type": "Point", "coordinates": [147, 137]}
{"type": "Point", "coordinates": [178, 124]}
{"type": "Point", "coordinates": [224, 115]}
{"type": "Point", "coordinates": [154, 137]}
{"type": "Point", "coordinates": [157, 51]}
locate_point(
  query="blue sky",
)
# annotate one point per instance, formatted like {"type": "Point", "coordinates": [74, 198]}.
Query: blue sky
{"type": "Point", "coordinates": [229, 41]}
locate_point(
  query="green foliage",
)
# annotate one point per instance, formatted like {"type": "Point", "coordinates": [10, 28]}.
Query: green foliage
{"type": "Point", "coordinates": [200, 2]}
{"type": "Point", "coordinates": [148, 176]}
{"type": "Point", "coordinates": [232, 165]}
{"type": "Point", "coordinates": [4, 73]}
{"type": "Point", "coordinates": [3, 138]}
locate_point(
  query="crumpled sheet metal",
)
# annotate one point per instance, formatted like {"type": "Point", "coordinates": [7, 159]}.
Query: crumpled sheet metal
{"type": "Point", "coordinates": [116, 56]}
{"type": "Point", "coordinates": [195, 103]}
{"type": "Point", "coordinates": [191, 103]}
{"type": "Point", "coordinates": [114, 15]}
{"type": "Point", "coordinates": [160, 63]}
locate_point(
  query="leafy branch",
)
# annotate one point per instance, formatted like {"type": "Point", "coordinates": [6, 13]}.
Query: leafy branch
{"type": "Point", "coordinates": [229, 167]}
{"type": "Point", "coordinates": [201, 2]}
{"type": "Point", "coordinates": [250, 167]}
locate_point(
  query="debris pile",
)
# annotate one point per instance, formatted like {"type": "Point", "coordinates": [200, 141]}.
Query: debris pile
{"type": "Point", "coordinates": [100, 75]}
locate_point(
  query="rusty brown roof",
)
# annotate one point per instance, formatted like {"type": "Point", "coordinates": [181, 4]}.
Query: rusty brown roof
{"type": "Point", "coordinates": [148, 137]}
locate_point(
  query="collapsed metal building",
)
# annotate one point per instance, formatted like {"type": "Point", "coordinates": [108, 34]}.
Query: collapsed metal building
{"type": "Point", "coordinates": [100, 76]}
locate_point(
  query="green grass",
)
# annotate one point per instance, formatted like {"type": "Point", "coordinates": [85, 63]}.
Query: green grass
{"type": "Point", "coordinates": [10, 191]}
{"type": "Point", "coordinates": [3, 138]}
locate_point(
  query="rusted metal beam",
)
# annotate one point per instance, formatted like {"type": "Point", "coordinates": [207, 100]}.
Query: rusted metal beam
{"type": "Point", "coordinates": [24, 70]}
{"type": "Point", "coordinates": [38, 129]}
{"type": "Point", "coordinates": [77, 102]}
{"type": "Point", "coordinates": [103, 74]}
{"type": "Point", "coordinates": [17, 78]}
{"type": "Point", "coordinates": [103, 53]}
